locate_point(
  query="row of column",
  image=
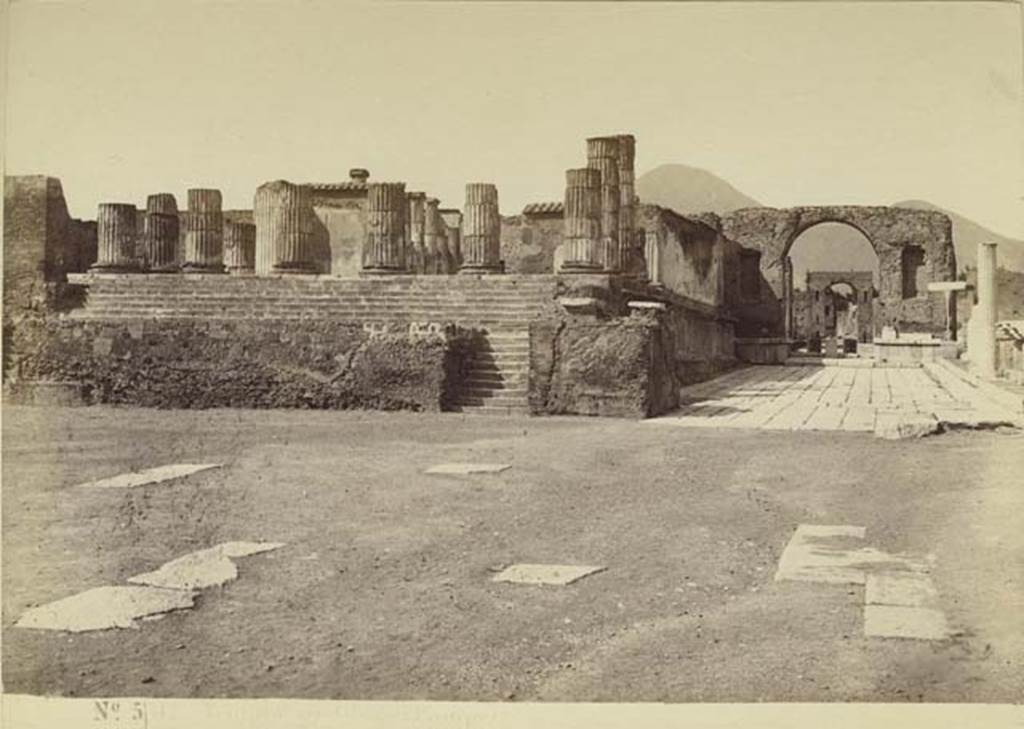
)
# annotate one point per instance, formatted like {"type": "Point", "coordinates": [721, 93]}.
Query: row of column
{"type": "Point", "coordinates": [600, 207]}
{"type": "Point", "coordinates": [405, 233]}
{"type": "Point", "coordinates": [211, 244]}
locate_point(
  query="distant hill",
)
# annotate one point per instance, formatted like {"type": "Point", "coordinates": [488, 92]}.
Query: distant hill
{"type": "Point", "coordinates": [690, 190]}
{"type": "Point", "coordinates": [826, 247]}
{"type": "Point", "coordinates": [967, 235]}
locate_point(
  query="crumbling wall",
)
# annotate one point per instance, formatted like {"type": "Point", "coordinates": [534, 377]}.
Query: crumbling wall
{"type": "Point", "coordinates": [619, 367]}
{"type": "Point", "coordinates": [243, 363]}
{"type": "Point", "coordinates": [530, 243]}
{"type": "Point", "coordinates": [690, 254]}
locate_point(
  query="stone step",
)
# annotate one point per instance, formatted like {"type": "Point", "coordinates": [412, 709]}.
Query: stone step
{"type": "Point", "coordinates": [497, 401]}
{"type": "Point", "coordinates": [473, 393]}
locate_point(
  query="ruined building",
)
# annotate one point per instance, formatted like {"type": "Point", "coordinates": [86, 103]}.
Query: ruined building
{"type": "Point", "coordinates": [363, 293]}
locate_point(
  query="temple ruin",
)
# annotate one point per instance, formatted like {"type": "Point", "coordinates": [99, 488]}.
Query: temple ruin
{"type": "Point", "coordinates": [364, 293]}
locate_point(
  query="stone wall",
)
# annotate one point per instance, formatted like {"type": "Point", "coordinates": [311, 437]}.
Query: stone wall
{"type": "Point", "coordinates": [685, 256]}
{"type": "Point", "coordinates": [42, 243]}
{"type": "Point", "coordinates": [530, 242]}
{"type": "Point", "coordinates": [253, 363]}
{"type": "Point", "coordinates": [894, 233]}
{"type": "Point", "coordinates": [586, 366]}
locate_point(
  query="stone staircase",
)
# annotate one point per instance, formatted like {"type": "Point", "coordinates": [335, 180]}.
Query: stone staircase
{"type": "Point", "coordinates": [497, 380]}
{"type": "Point", "coordinates": [500, 307]}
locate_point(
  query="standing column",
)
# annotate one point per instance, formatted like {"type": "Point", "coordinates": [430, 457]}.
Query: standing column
{"type": "Point", "coordinates": [652, 254]}
{"type": "Point", "coordinates": [384, 250]}
{"type": "Point", "coordinates": [416, 217]}
{"type": "Point", "coordinates": [582, 221]}
{"type": "Point", "coordinates": [240, 248]}
{"type": "Point", "coordinates": [432, 230]}
{"type": "Point", "coordinates": [160, 232]}
{"type": "Point", "coordinates": [603, 155]}
{"type": "Point", "coordinates": [204, 232]}
{"type": "Point", "coordinates": [115, 238]}
{"type": "Point", "coordinates": [284, 214]}
{"type": "Point", "coordinates": [982, 341]}
{"type": "Point", "coordinates": [481, 236]}
{"type": "Point", "coordinates": [627, 201]}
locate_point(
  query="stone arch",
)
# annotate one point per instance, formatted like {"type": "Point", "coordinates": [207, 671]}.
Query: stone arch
{"type": "Point", "coordinates": [772, 231]}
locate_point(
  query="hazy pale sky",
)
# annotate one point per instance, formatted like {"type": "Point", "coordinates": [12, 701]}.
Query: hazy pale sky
{"type": "Point", "coordinates": [793, 103]}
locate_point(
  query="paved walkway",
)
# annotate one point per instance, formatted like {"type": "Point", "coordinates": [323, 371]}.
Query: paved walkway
{"type": "Point", "coordinates": [803, 397]}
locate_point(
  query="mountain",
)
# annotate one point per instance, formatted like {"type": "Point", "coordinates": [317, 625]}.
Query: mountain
{"type": "Point", "coordinates": [690, 190]}
{"type": "Point", "coordinates": [825, 247]}
{"type": "Point", "coordinates": [967, 235]}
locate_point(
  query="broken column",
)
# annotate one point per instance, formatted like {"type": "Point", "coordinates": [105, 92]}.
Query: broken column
{"type": "Point", "coordinates": [161, 232]}
{"type": "Point", "coordinates": [582, 221]}
{"type": "Point", "coordinates": [627, 200]}
{"type": "Point", "coordinates": [481, 226]}
{"type": "Point", "coordinates": [603, 155]}
{"type": "Point", "coordinates": [982, 337]}
{"type": "Point", "coordinates": [415, 226]}
{"type": "Point", "coordinates": [240, 248]}
{"type": "Point", "coordinates": [433, 229]}
{"type": "Point", "coordinates": [284, 213]}
{"type": "Point", "coordinates": [115, 234]}
{"type": "Point", "coordinates": [204, 232]}
{"type": "Point", "coordinates": [384, 250]}
{"type": "Point", "coordinates": [652, 255]}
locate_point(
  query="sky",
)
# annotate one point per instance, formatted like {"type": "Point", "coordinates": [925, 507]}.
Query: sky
{"type": "Point", "coordinates": [792, 103]}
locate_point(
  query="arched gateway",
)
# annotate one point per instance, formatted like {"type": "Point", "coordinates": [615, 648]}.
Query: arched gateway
{"type": "Point", "coordinates": [914, 248]}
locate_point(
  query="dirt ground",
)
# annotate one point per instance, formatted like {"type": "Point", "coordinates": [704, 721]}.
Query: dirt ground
{"type": "Point", "coordinates": [384, 591]}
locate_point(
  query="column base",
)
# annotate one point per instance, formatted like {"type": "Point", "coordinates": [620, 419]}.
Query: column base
{"type": "Point", "coordinates": [170, 268]}
{"type": "Point", "coordinates": [242, 271]}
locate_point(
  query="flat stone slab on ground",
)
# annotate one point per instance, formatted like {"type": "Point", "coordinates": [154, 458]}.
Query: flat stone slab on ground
{"type": "Point", "coordinates": [468, 468]}
{"type": "Point", "coordinates": [103, 608]}
{"type": "Point", "coordinates": [909, 589]}
{"type": "Point", "coordinates": [149, 476]}
{"type": "Point", "coordinates": [824, 553]}
{"type": "Point", "coordinates": [202, 569]}
{"type": "Point", "coordinates": [546, 574]}
{"type": "Point", "coordinates": [900, 621]}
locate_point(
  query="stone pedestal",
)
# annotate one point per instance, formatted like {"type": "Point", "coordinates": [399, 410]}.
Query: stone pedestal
{"type": "Point", "coordinates": [981, 341]}
{"type": "Point", "coordinates": [481, 230]}
{"type": "Point", "coordinates": [115, 238]}
{"type": "Point", "coordinates": [240, 248]}
{"type": "Point", "coordinates": [161, 233]}
{"type": "Point", "coordinates": [582, 237]}
{"type": "Point", "coordinates": [284, 216]}
{"type": "Point", "coordinates": [385, 249]}
{"type": "Point", "coordinates": [204, 232]}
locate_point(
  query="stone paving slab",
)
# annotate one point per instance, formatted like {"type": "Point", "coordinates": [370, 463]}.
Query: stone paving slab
{"type": "Point", "coordinates": [103, 608]}
{"type": "Point", "coordinates": [546, 574]}
{"type": "Point", "coordinates": [150, 476]}
{"type": "Point", "coordinates": [893, 401]}
{"type": "Point", "coordinates": [464, 469]}
{"type": "Point", "coordinates": [907, 589]}
{"type": "Point", "coordinates": [897, 621]}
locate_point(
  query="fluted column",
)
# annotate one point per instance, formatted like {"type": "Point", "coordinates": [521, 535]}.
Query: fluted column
{"type": "Point", "coordinates": [115, 238]}
{"type": "Point", "coordinates": [982, 329]}
{"type": "Point", "coordinates": [204, 232]}
{"type": "Point", "coordinates": [415, 225]}
{"type": "Point", "coordinates": [384, 250]}
{"type": "Point", "coordinates": [481, 229]}
{"type": "Point", "coordinates": [240, 248]}
{"type": "Point", "coordinates": [582, 221]}
{"type": "Point", "coordinates": [603, 155]}
{"type": "Point", "coordinates": [433, 228]}
{"type": "Point", "coordinates": [284, 215]}
{"type": "Point", "coordinates": [161, 232]}
{"type": "Point", "coordinates": [627, 198]}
